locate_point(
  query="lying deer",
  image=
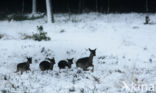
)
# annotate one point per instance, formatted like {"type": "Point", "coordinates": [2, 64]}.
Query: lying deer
{"type": "Point", "coordinates": [63, 63]}
{"type": "Point", "coordinates": [47, 65]}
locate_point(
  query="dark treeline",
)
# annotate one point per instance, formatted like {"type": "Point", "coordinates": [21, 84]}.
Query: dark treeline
{"type": "Point", "coordinates": [78, 6]}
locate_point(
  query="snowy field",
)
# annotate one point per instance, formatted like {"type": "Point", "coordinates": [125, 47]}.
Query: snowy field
{"type": "Point", "coordinates": [126, 53]}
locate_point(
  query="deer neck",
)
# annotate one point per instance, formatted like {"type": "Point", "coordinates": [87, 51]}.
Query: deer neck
{"type": "Point", "coordinates": [91, 58]}
{"type": "Point", "coordinates": [69, 63]}
{"type": "Point", "coordinates": [51, 65]}
{"type": "Point", "coordinates": [28, 63]}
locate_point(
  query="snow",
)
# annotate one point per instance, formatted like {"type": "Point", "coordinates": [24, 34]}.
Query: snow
{"type": "Point", "coordinates": [124, 49]}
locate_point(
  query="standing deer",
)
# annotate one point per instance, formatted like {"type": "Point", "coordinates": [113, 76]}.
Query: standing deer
{"type": "Point", "coordinates": [25, 66]}
{"type": "Point", "coordinates": [46, 65]}
{"type": "Point", "coordinates": [86, 62]}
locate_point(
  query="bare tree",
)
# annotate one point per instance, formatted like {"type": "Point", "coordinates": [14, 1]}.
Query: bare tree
{"type": "Point", "coordinates": [23, 7]}
{"type": "Point", "coordinates": [68, 5]}
{"type": "Point", "coordinates": [96, 5]}
{"type": "Point", "coordinates": [81, 2]}
{"type": "Point", "coordinates": [147, 6]}
{"type": "Point", "coordinates": [50, 16]}
{"type": "Point", "coordinates": [34, 7]}
{"type": "Point", "coordinates": [108, 6]}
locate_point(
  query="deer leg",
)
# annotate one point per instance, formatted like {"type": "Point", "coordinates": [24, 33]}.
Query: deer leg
{"type": "Point", "coordinates": [92, 68]}
{"type": "Point", "coordinates": [21, 72]}
{"type": "Point", "coordinates": [59, 70]}
{"type": "Point", "coordinates": [85, 69]}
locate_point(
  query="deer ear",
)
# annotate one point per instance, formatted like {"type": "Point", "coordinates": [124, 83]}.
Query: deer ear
{"type": "Point", "coordinates": [95, 49]}
{"type": "Point", "coordinates": [89, 49]}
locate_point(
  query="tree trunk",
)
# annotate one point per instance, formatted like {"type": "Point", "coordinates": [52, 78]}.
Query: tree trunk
{"type": "Point", "coordinates": [69, 10]}
{"type": "Point", "coordinates": [50, 16]}
{"type": "Point", "coordinates": [146, 5]}
{"type": "Point", "coordinates": [96, 5]}
{"type": "Point", "coordinates": [34, 7]}
{"type": "Point", "coordinates": [108, 6]}
{"type": "Point", "coordinates": [22, 7]}
{"type": "Point", "coordinates": [80, 6]}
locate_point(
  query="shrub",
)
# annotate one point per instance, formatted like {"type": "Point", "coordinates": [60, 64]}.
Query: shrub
{"type": "Point", "coordinates": [17, 17]}
{"type": "Point", "coordinates": [25, 36]}
{"type": "Point", "coordinates": [41, 35]}
{"type": "Point", "coordinates": [22, 17]}
{"type": "Point", "coordinates": [3, 16]}
{"type": "Point", "coordinates": [147, 20]}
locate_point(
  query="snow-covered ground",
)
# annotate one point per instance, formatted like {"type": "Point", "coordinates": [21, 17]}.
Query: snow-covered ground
{"type": "Point", "coordinates": [126, 53]}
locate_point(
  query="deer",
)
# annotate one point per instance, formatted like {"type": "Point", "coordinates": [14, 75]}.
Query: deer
{"type": "Point", "coordinates": [86, 62]}
{"type": "Point", "coordinates": [25, 66]}
{"type": "Point", "coordinates": [63, 63]}
{"type": "Point", "coordinates": [47, 65]}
